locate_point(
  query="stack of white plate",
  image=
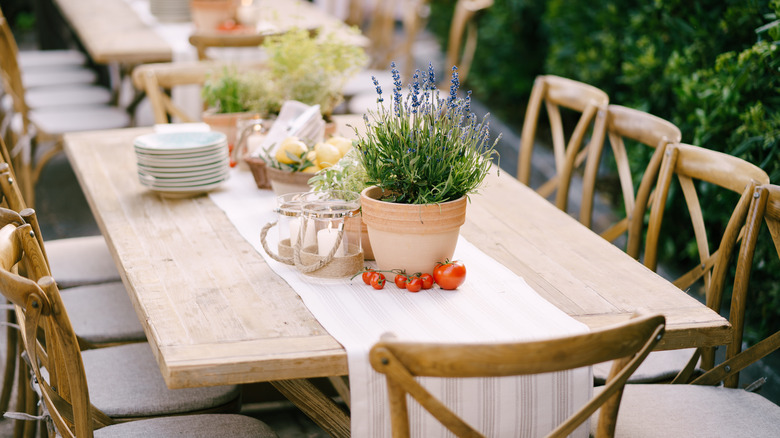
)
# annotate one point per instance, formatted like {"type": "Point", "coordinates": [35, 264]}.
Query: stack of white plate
{"type": "Point", "coordinates": [180, 164]}
{"type": "Point", "coordinates": [170, 10]}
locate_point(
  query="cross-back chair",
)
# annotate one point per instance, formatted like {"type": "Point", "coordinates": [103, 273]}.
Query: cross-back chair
{"type": "Point", "coordinates": [60, 369]}
{"type": "Point", "coordinates": [628, 124]}
{"type": "Point", "coordinates": [46, 126]}
{"type": "Point", "coordinates": [694, 166]}
{"type": "Point", "coordinates": [628, 344]}
{"type": "Point", "coordinates": [360, 90]}
{"type": "Point", "coordinates": [158, 80]}
{"type": "Point", "coordinates": [703, 408]}
{"type": "Point", "coordinates": [556, 93]}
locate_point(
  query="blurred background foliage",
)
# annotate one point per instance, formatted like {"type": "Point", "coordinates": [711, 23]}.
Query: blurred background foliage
{"type": "Point", "coordinates": [710, 66]}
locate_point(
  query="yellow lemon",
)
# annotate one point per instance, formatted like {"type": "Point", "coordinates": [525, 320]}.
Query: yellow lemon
{"type": "Point", "coordinates": [327, 154]}
{"type": "Point", "coordinates": [294, 147]}
{"type": "Point", "coordinates": [343, 144]}
{"type": "Point", "coordinates": [312, 169]}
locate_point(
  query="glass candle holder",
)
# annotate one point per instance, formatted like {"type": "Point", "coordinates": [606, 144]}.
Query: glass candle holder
{"type": "Point", "coordinates": [332, 239]}
{"type": "Point", "coordinates": [289, 208]}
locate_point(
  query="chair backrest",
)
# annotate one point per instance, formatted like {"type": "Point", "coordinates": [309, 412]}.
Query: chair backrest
{"type": "Point", "coordinates": [628, 344]}
{"type": "Point", "coordinates": [558, 93]}
{"type": "Point", "coordinates": [463, 24]}
{"type": "Point", "coordinates": [47, 335]}
{"type": "Point", "coordinates": [764, 207]}
{"type": "Point", "coordinates": [695, 165]}
{"type": "Point", "coordinates": [645, 129]}
{"type": "Point", "coordinates": [157, 81]}
{"type": "Point", "coordinates": [206, 40]}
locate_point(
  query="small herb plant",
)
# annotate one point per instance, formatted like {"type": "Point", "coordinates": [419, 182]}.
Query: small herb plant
{"type": "Point", "coordinates": [308, 68]}
{"type": "Point", "coordinates": [347, 174]}
{"type": "Point", "coordinates": [423, 148]}
{"type": "Point", "coordinates": [225, 92]}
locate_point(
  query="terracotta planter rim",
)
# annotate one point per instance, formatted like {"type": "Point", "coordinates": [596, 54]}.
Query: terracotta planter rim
{"type": "Point", "coordinates": [413, 218]}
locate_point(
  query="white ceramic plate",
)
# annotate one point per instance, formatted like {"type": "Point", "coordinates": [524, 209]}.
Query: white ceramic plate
{"type": "Point", "coordinates": [183, 171]}
{"type": "Point", "coordinates": [174, 155]}
{"type": "Point", "coordinates": [178, 142]}
{"type": "Point", "coordinates": [183, 163]}
{"type": "Point", "coordinates": [155, 179]}
{"type": "Point", "coordinates": [192, 185]}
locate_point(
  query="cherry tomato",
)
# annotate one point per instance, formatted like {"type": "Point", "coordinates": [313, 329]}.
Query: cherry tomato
{"type": "Point", "coordinates": [378, 280]}
{"type": "Point", "coordinates": [414, 284]}
{"type": "Point", "coordinates": [367, 276]}
{"type": "Point", "coordinates": [450, 274]}
{"type": "Point", "coordinates": [400, 281]}
{"type": "Point", "coordinates": [427, 281]}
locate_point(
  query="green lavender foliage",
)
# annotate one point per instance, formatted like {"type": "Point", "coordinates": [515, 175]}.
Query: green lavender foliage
{"type": "Point", "coordinates": [425, 148]}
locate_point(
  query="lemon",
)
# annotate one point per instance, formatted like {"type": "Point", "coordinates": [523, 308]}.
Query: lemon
{"type": "Point", "coordinates": [291, 145]}
{"type": "Point", "coordinates": [312, 169]}
{"type": "Point", "coordinates": [327, 154]}
{"type": "Point", "coordinates": [343, 144]}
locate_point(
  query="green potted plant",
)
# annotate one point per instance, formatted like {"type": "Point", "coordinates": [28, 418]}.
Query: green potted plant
{"type": "Point", "coordinates": [302, 66]}
{"type": "Point", "coordinates": [423, 154]}
{"type": "Point", "coordinates": [223, 94]}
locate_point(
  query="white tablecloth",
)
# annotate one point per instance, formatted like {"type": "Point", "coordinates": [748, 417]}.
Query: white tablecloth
{"type": "Point", "coordinates": [493, 305]}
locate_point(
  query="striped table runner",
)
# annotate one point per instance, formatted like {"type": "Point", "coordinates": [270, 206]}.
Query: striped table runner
{"type": "Point", "coordinates": [493, 305]}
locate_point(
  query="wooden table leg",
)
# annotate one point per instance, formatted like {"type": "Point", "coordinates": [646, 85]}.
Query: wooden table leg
{"type": "Point", "coordinates": [316, 405]}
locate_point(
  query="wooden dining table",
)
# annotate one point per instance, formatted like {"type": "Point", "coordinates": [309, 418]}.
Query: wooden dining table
{"type": "Point", "coordinates": [215, 313]}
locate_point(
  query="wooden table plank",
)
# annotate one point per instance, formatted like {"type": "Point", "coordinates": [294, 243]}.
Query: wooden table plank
{"type": "Point", "coordinates": [111, 31]}
{"type": "Point", "coordinates": [215, 312]}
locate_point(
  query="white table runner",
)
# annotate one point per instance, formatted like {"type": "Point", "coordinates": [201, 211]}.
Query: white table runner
{"type": "Point", "coordinates": [493, 305]}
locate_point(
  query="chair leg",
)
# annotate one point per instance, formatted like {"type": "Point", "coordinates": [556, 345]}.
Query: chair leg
{"type": "Point", "coordinates": [21, 402]}
{"type": "Point", "coordinates": [9, 376]}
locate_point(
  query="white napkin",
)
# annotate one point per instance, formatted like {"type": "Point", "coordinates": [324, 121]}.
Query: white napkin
{"type": "Point", "coordinates": [295, 119]}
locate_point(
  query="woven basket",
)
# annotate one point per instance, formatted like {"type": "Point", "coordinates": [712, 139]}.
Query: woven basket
{"type": "Point", "coordinates": [259, 171]}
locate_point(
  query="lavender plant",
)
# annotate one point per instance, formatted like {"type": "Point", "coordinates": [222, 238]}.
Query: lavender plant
{"type": "Point", "coordinates": [425, 148]}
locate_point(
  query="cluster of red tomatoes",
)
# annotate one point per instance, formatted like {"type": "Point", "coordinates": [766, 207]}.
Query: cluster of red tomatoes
{"type": "Point", "coordinates": [448, 275]}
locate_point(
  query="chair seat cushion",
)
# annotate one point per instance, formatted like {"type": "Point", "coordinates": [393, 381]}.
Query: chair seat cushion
{"type": "Point", "coordinates": [103, 313]}
{"type": "Point", "coordinates": [694, 411]}
{"type": "Point", "coordinates": [77, 261]}
{"type": "Point", "coordinates": [44, 97]}
{"type": "Point", "coordinates": [658, 366]}
{"type": "Point", "coordinates": [34, 59]}
{"type": "Point", "coordinates": [61, 76]}
{"type": "Point", "coordinates": [125, 381]}
{"type": "Point", "coordinates": [56, 121]}
{"type": "Point", "coordinates": [191, 426]}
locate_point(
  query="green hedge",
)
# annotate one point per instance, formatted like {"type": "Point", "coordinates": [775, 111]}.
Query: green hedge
{"type": "Point", "coordinates": [711, 67]}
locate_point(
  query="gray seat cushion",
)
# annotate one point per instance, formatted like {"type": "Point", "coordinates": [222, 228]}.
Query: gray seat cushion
{"type": "Point", "coordinates": [125, 381]}
{"type": "Point", "coordinates": [190, 426]}
{"type": "Point", "coordinates": [56, 121]}
{"type": "Point", "coordinates": [45, 97]}
{"type": "Point", "coordinates": [658, 366]}
{"type": "Point", "coordinates": [103, 313]}
{"type": "Point", "coordinates": [76, 261]}
{"type": "Point", "coordinates": [33, 59]}
{"type": "Point", "coordinates": [694, 411]}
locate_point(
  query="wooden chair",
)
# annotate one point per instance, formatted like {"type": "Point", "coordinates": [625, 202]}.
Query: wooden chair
{"type": "Point", "coordinates": [104, 315]}
{"type": "Point", "coordinates": [203, 41]}
{"type": "Point", "coordinates": [37, 127]}
{"type": "Point", "coordinates": [360, 90]}
{"type": "Point", "coordinates": [695, 165]}
{"type": "Point", "coordinates": [124, 381]}
{"type": "Point", "coordinates": [701, 408]}
{"type": "Point", "coordinates": [645, 129]}
{"type": "Point", "coordinates": [555, 93]}
{"type": "Point", "coordinates": [157, 80]}
{"type": "Point", "coordinates": [62, 372]}
{"type": "Point", "coordinates": [401, 362]}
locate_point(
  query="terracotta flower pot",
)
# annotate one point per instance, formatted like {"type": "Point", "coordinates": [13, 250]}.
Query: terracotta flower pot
{"type": "Point", "coordinates": [207, 15]}
{"type": "Point", "coordinates": [226, 123]}
{"type": "Point", "coordinates": [411, 237]}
